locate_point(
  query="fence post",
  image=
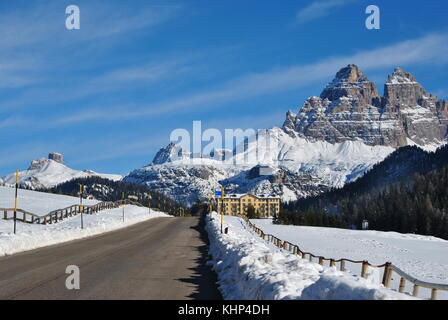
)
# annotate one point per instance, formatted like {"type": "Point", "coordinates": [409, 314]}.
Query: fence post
{"type": "Point", "coordinates": [434, 294]}
{"type": "Point", "coordinates": [365, 267]}
{"type": "Point", "coordinates": [321, 261]}
{"type": "Point", "coordinates": [332, 263]}
{"type": "Point", "coordinates": [402, 285]}
{"type": "Point", "coordinates": [342, 265]}
{"type": "Point", "coordinates": [415, 291]}
{"type": "Point", "coordinates": [387, 276]}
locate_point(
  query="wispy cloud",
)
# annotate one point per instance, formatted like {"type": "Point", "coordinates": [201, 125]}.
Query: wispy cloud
{"type": "Point", "coordinates": [429, 49]}
{"type": "Point", "coordinates": [35, 41]}
{"type": "Point", "coordinates": [319, 9]}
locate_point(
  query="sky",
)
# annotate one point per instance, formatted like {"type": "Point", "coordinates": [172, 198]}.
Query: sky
{"type": "Point", "coordinates": [108, 95]}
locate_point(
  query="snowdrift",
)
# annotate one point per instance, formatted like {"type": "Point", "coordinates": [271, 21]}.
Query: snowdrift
{"type": "Point", "coordinates": [250, 269]}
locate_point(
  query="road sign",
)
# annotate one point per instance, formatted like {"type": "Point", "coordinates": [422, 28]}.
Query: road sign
{"type": "Point", "coordinates": [218, 193]}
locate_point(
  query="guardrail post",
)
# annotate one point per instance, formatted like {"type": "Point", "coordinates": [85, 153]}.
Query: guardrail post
{"type": "Point", "coordinates": [365, 267]}
{"type": "Point", "coordinates": [402, 285]}
{"type": "Point", "coordinates": [387, 276]}
{"type": "Point", "coordinates": [332, 263]}
{"type": "Point", "coordinates": [415, 291]}
{"type": "Point", "coordinates": [343, 265]}
{"type": "Point", "coordinates": [434, 294]}
{"type": "Point", "coordinates": [321, 261]}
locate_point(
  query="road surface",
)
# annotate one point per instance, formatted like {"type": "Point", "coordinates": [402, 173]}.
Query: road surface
{"type": "Point", "coordinates": [161, 259]}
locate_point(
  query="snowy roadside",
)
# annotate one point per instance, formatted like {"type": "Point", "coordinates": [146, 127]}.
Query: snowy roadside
{"type": "Point", "coordinates": [423, 257]}
{"type": "Point", "coordinates": [249, 268]}
{"type": "Point", "coordinates": [31, 236]}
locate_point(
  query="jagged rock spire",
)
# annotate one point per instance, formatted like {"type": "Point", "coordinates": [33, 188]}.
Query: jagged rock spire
{"type": "Point", "coordinates": [351, 82]}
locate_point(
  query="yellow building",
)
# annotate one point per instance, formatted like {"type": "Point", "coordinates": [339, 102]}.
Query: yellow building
{"type": "Point", "coordinates": [237, 204]}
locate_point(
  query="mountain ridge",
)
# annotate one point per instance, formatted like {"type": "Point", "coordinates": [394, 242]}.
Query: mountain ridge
{"type": "Point", "coordinates": [333, 139]}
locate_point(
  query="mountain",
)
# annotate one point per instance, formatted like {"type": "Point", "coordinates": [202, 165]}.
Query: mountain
{"type": "Point", "coordinates": [46, 173]}
{"type": "Point", "coordinates": [333, 139]}
{"type": "Point", "coordinates": [350, 108]}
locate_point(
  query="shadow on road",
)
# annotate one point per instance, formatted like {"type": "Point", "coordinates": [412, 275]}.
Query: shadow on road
{"type": "Point", "coordinates": [204, 278]}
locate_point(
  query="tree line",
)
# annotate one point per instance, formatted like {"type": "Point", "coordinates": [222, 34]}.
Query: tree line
{"type": "Point", "coordinates": [108, 190]}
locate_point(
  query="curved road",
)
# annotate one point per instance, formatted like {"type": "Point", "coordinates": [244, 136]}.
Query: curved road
{"type": "Point", "coordinates": [162, 258]}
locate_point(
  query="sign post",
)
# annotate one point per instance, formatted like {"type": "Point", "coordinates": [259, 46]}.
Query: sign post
{"type": "Point", "coordinates": [222, 208]}
{"type": "Point", "coordinates": [15, 200]}
{"type": "Point", "coordinates": [81, 207]}
{"type": "Point", "coordinates": [210, 202]}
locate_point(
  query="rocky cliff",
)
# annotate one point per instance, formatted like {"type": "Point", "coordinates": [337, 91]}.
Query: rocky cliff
{"type": "Point", "coordinates": [350, 108]}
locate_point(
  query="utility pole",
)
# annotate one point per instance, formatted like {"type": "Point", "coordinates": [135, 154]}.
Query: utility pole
{"type": "Point", "coordinates": [81, 207]}
{"type": "Point", "coordinates": [15, 200]}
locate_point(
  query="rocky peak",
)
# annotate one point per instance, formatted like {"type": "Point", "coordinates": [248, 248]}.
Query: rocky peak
{"type": "Point", "coordinates": [170, 153]}
{"type": "Point", "coordinates": [55, 156]}
{"type": "Point", "coordinates": [290, 122]}
{"type": "Point", "coordinates": [39, 163]}
{"type": "Point", "coordinates": [403, 90]}
{"type": "Point", "coordinates": [350, 109]}
{"type": "Point", "coordinates": [350, 82]}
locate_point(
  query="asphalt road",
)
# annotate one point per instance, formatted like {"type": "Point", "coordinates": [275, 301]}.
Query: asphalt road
{"type": "Point", "coordinates": [160, 259]}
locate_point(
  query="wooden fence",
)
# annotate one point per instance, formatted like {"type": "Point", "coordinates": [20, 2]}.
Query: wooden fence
{"type": "Point", "coordinates": [61, 214]}
{"type": "Point", "coordinates": [389, 268]}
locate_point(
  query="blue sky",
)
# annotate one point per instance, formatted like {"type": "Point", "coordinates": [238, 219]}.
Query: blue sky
{"type": "Point", "coordinates": [108, 96]}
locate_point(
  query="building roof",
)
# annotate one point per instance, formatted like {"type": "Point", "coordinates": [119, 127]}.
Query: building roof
{"type": "Point", "coordinates": [240, 195]}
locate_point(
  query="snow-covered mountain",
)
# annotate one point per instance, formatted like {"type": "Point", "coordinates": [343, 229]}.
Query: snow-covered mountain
{"type": "Point", "coordinates": [332, 140]}
{"type": "Point", "coordinates": [47, 173]}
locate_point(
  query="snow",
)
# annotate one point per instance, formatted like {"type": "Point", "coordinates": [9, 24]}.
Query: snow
{"type": "Point", "coordinates": [38, 202]}
{"type": "Point", "coordinates": [46, 173]}
{"type": "Point", "coordinates": [319, 163]}
{"type": "Point", "coordinates": [423, 257]}
{"type": "Point", "coordinates": [33, 236]}
{"type": "Point", "coordinates": [249, 268]}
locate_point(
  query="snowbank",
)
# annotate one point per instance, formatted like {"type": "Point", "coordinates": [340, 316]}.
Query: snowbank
{"type": "Point", "coordinates": [30, 236]}
{"type": "Point", "coordinates": [423, 257]}
{"type": "Point", "coordinates": [249, 268]}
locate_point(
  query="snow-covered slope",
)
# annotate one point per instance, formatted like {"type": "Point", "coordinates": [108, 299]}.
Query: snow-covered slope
{"type": "Point", "coordinates": [250, 268]}
{"type": "Point", "coordinates": [334, 139]}
{"type": "Point", "coordinates": [423, 257]}
{"type": "Point", "coordinates": [297, 168]}
{"type": "Point", "coordinates": [46, 173]}
{"type": "Point", "coordinates": [39, 203]}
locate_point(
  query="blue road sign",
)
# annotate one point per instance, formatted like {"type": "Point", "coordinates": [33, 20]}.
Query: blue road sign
{"type": "Point", "coordinates": [218, 193]}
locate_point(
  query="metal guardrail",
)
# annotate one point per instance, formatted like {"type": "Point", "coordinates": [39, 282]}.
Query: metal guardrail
{"type": "Point", "coordinates": [61, 214]}
{"type": "Point", "coordinates": [389, 268]}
